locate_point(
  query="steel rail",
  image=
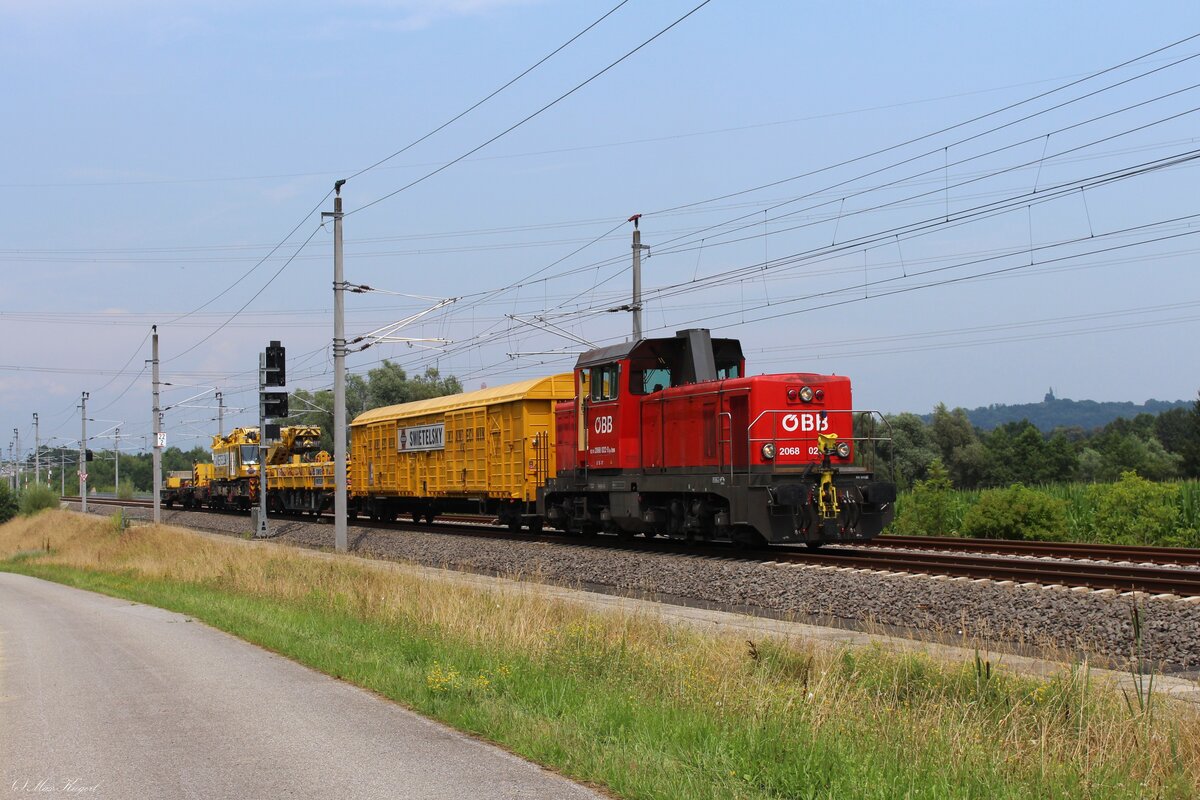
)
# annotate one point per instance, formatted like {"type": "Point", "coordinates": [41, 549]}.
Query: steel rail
{"type": "Point", "coordinates": [1075, 550]}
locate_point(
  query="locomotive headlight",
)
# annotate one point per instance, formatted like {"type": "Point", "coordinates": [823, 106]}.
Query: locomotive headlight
{"type": "Point", "coordinates": [806, 394]}
{"type": "Point", "coordinates": [768, 451]}
{"type": "Point", "coordinates": [843, 449]}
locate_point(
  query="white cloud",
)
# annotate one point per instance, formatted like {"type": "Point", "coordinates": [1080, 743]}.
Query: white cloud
{"type": "Point", "coordinates": [418, 14]}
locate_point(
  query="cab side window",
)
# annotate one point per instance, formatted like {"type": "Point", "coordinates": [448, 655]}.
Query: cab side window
{"type": "Point", "coordinates": [605, 382]}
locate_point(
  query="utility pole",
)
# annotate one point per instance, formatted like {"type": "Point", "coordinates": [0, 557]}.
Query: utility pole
{"type": "Point", "coordinates": [17, 462]}
{"type": "Point", "coordinates": [158, 436]}
{"type": "Point", "coordinates": [220, 414]}
{"type": "Point", "coordinates": [339, 374]}
{"type": "Point", "coordinates": [62, 474]}
{"type": "Point", "coordinates": [636, 305]}
{"type": "Point", "coordinates": [83, 453]}
{"type": "Point", "coordinates": [117, 464]}
{"type": "Point", "coordinates": [37, 451]}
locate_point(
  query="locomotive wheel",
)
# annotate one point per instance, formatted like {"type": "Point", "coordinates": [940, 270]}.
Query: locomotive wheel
{"type": "Point", "coordinates": [430, 516]}
{"type": "Point", "coordinates": [535, 525]}
{"type": "Point", "coordinates": [416, 517]}
{"type": "Point", "coordinates": [514, 524]}
{"type": "Point", "coordinates": [814, 545]}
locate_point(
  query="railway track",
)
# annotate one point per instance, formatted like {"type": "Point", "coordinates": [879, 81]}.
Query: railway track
{"type": "Point", "coordinates": [1182, 556]}
{"type": "Point", "coordinates": [1154, 570]}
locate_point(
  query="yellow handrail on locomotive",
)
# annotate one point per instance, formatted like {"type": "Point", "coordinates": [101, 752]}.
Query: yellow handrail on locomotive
{"type": "Point", "coordinates": [827, 501]}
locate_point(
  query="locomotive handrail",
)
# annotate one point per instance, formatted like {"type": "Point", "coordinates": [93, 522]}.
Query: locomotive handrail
{"type": "Point", "coordinates": [861, 413]}
{"type": "Point", "coordinates": [722, 442]}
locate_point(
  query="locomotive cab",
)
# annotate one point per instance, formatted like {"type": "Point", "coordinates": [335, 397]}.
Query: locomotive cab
{"type": "Point", "coordinates": [669, 437]}
{"type": "Point", "coordinates": [613, 382]}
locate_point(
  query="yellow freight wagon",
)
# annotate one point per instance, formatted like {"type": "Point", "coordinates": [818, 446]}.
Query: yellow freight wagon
{"type": "Point", "coordinates": [477, 452]}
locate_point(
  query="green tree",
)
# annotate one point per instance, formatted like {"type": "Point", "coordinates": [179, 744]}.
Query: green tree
{"type": "Point", "coordinates": [8, 501]}
{"type": "Point", "coordinates": [1010, 449]}
{"type": "Point", "coordinates": [911, 450]}
{"type": "Point", "coordinates": [1062, 460]}
{"type": "Point", "coordinates": [1174, 429]}
{"type": "Point", "coordinates": [1133, 448]}
{"type": "Point", "coordinates": [176, 460]}
{"type": "Point", "coordinates": [971, 465]}
{"type": "Point", "coordinates": [389, 385]}
{"type": "Point", "coordinates": [955, 438]}
{"type": "Point", "coordinates": [1190, 451]}
{"type": "Point", "coordinates": [930, 508]}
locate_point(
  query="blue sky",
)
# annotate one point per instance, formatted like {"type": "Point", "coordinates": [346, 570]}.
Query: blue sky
{"type": "Point", "coordinates": [155, 153]}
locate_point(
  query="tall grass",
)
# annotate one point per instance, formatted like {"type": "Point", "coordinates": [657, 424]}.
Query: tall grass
{"type": "Point", "coordinates": [643, 708]}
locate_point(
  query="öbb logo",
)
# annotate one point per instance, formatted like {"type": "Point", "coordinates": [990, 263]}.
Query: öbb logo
{"type": "Point", "coordinates": [806, 423]}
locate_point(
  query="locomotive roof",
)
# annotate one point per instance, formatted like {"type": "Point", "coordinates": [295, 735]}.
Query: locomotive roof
{"type": "Point", "coordinates": [551, 387]}
{"type": "Point", "coordinates": [724, 348]}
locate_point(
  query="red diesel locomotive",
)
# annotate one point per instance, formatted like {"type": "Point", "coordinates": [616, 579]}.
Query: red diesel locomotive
{"type": "Point", "coordinates": [669, 437]}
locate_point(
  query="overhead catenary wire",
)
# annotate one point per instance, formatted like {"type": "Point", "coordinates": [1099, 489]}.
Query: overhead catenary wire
{"type": "Point", "coordinates": [663, 246]}
{"type": "Point", "coordinates": [258, 264]}
{"type": "Point", "coordinates": [245, 305]}
{"type": "Point", "coordinates": [477, 104]}
{"type": "Point", "coordinates": [930, 224]}
{"type": "Point", "coordinates": [531, 116]}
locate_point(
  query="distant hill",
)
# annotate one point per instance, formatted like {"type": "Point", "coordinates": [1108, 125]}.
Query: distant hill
{"type": "Point", "coordinates": [1055, 412]}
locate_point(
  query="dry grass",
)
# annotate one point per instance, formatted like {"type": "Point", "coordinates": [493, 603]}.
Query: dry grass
{"type": "Point", "coordinates": [906, 717]}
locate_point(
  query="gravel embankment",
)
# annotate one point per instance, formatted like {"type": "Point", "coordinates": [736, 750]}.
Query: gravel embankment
{"type": "Point", "coordinates": [1096, 623]}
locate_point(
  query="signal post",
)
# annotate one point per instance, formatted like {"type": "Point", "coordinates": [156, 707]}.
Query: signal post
{"type": "Point", "coordinates": [272, 372]}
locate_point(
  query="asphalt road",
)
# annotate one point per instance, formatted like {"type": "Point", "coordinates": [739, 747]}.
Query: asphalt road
{"type": "Point", "coordinates": [104, 698]}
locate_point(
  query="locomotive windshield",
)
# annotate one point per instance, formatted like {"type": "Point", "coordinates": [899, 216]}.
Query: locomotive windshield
{"type": "Point", "coordinates": [653, 380]}
{"type": "Point", "coordinates": [249, 453]}
{"type": "Point", "coordinates": [658, 364]}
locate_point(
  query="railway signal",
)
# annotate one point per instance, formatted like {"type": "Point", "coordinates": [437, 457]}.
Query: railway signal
{"type": "Point", "coordinates": [274, 405]}
{"type": "Point", "coordinates": [272, 372]}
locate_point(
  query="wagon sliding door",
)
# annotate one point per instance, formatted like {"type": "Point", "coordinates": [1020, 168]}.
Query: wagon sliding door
{"type": "Point", "coordinates": [466, 451]}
